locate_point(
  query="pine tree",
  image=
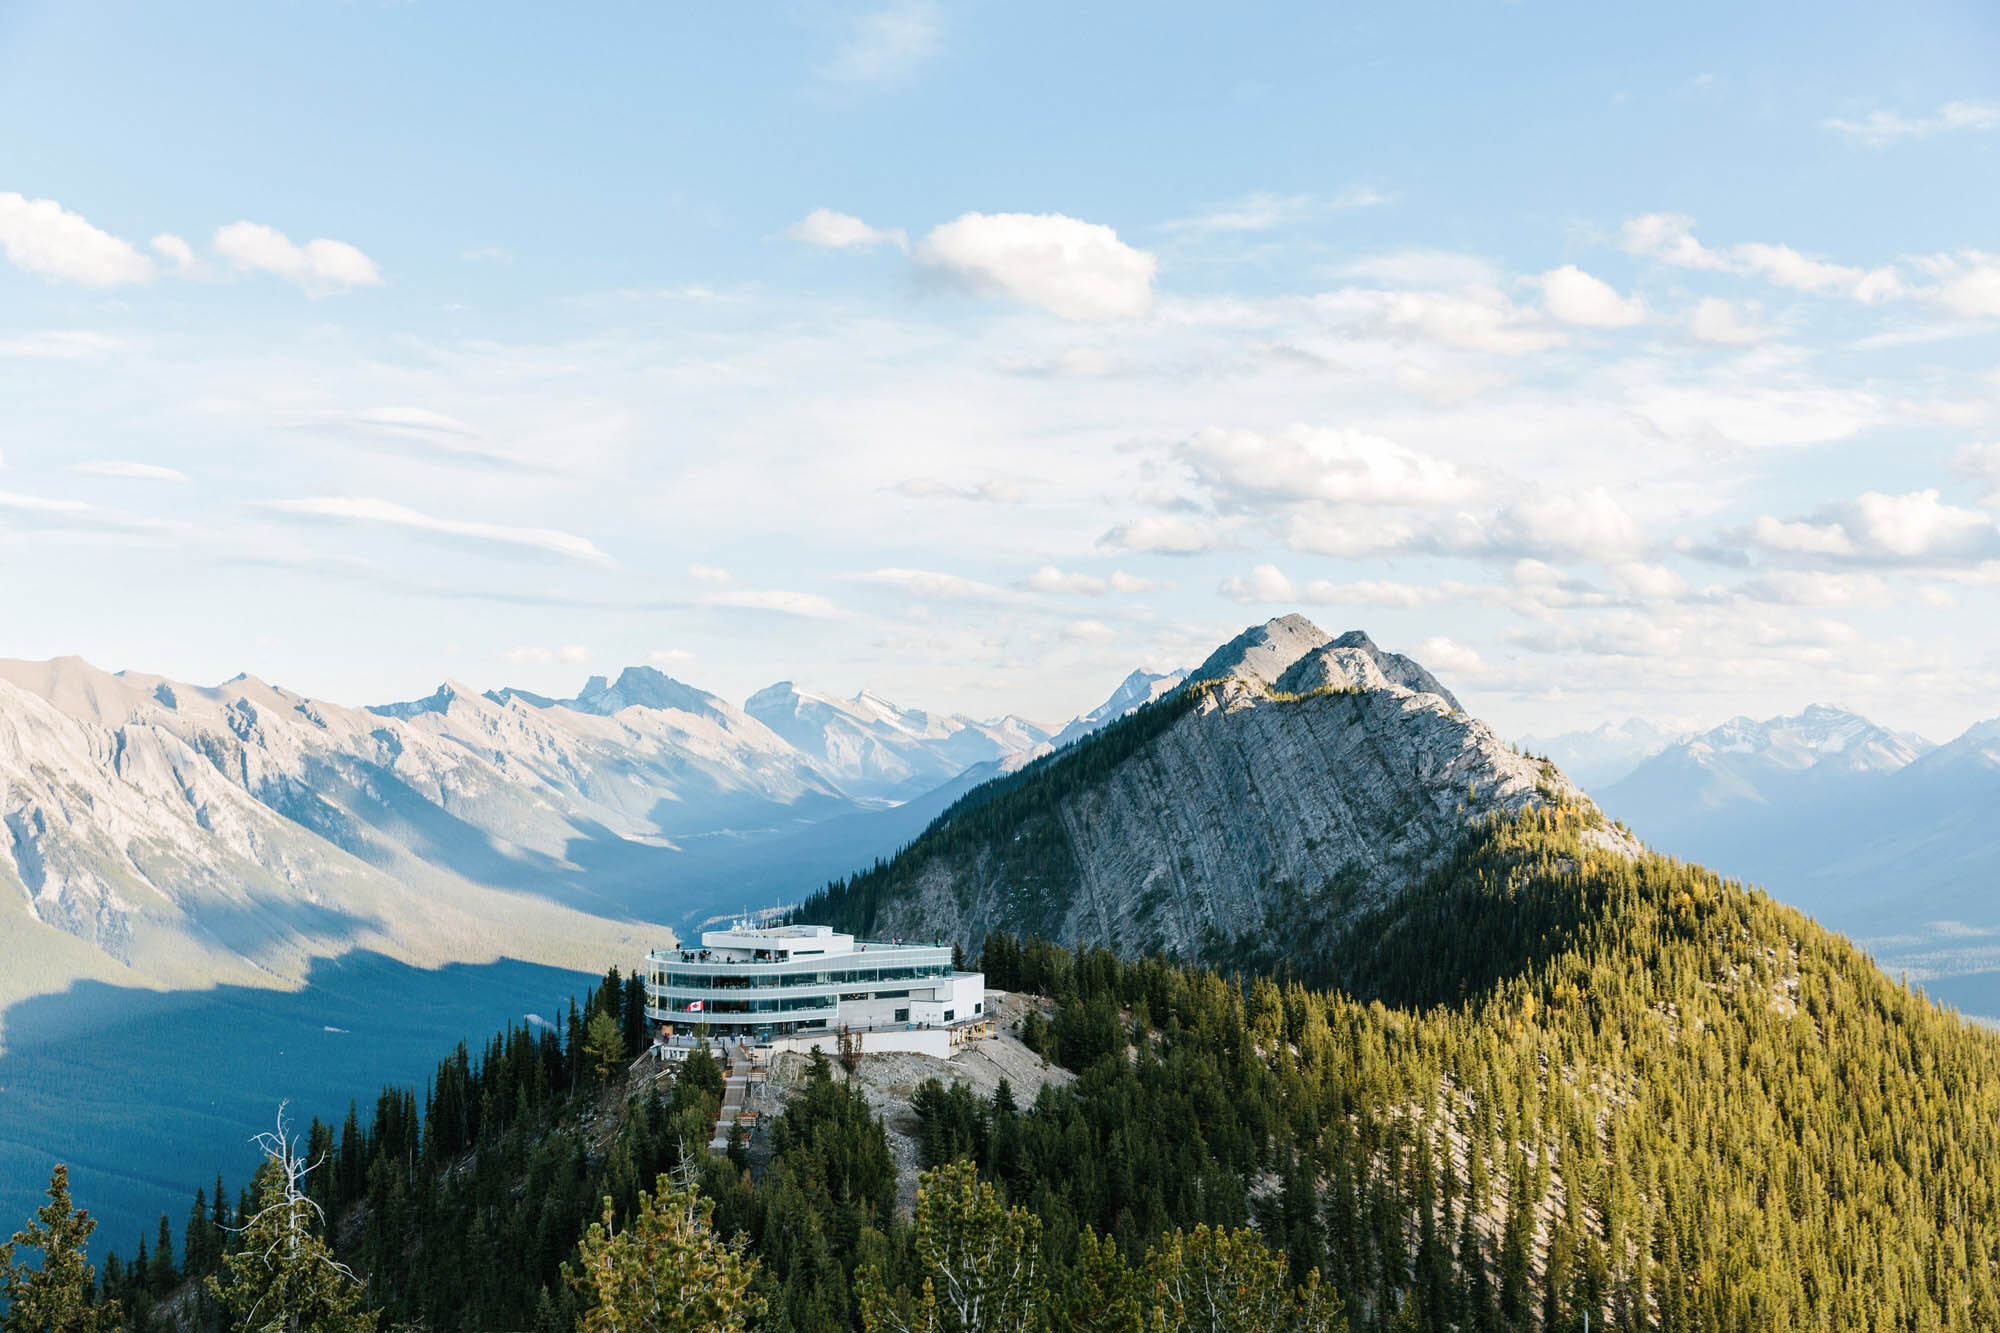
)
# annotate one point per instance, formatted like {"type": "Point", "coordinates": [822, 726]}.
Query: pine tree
{"type": "Point", "coordinates": [604, 1044]}
{"type": "Point", "coordinates": [667, 1272]}
{"type": "Point", "coordinates": [981, 1263]}
{"type": "Point", "coordinates": [283, 1279]}
{"type": "Point", "coordinates": [54, 1295]}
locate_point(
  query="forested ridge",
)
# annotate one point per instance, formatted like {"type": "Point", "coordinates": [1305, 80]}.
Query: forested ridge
{"type": "Point", "coordinates": [1551, 1082]}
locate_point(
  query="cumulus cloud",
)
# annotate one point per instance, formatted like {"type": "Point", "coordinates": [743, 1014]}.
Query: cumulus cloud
{"type": "Point", "coordinates": [1590, 523]}
{"type": "Point", "coordinates": [319, 266]}
{"type": "Point", "coordinates": [1715, 320]}
{"type": "Point", "coordinates": [1088, 631]}
{"type": "Point", "coordinates": [1246, 469]}
{"type": "Point", "coordinates": [42, 237]}
{"type": "Point", "coordinates": [1076, 270]}
{"type": "Point", "coordinates": [1163, 534]}
{"type": "Point", "coordinates": [1642, 582]}
{"type": "Point", "coordinates": [1968, 283]}
{"type": "Point", "coordinates": [1575, 297]}
{"type": "Point", "coordinates": [1879, 129]}
{"type": "Point", "coordinates": [1917, 529]}
{"type": "Point", "coordinates": [129, 471]}
{"type": "Point", "coordinates": [842, 231]}
{"type": "Point", "coordinates": [670, 657]}
{"type": "Point", "coordinates": [175, 250]}
{"type": "Point", "coordinates": [1451, 657]}
{"type": "Point", "coordinates": [1478, 318]}
{"type": "Point", "coordinates": [387, 513]}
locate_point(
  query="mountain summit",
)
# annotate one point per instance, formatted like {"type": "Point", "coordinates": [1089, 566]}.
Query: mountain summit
{"type": "Point", "coordinates": [1298, 781]}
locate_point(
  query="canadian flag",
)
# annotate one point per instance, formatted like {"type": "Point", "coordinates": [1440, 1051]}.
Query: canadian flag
{"type": "Point", "coordinates": [694, 1006]}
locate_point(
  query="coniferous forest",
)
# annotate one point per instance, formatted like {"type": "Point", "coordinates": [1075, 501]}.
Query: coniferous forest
{"type": "Point", "coordinates": [1551, 1084]}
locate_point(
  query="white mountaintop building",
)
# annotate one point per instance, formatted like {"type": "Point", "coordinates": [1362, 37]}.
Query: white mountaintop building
{"type": "Point", "coordinates": [795, 987]}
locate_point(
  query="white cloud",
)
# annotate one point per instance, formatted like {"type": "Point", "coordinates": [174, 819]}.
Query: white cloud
{"type": "Point", "coordinates": [1479, 319]}
{"type": "Point", "coordinates": [386, 513]}
{"type": "Point", "coordinates": [130, 471]}
{"type": "Point", "coordinates": [1049, 579]}
{"type": "Point", "coordinates": [487, 254]}
{"type": "Point", "coordinates": [1070, 363]}
{"type": "Point", "coordinates": [1982, 463]}
{"type": "Point", "coordinates": [1423, 268]}
{"type": "Point", "coordinates": [993, 490]}
{"type": "Point", "coordinates": [1246, 469]}
{"type": "Point", "coordinates": [1879, 129]}
{"type": "Point", "coordinates": [1647, 583]}
{"type": "Point", "coordinates": [1447, 655]}
{"type": "Point", "coordinates": [1267, 583]}
{"type": "Point", "coordinates": [708, 574]}
{"type": "Point", "coordinates": [573, 654]}
{"type": "Point", "coordinates": [42, 237]}
{"type": "Point", "coordinates": [1575, 297]}
{"type": "Point", "coordinates": [1818, 588]}
{"type": "Point", "coordinates": [1917, 528]}
{"type": "Point", "coordinates": [842, 231]}
{"type": "Point", "coordinates": [319, 266]}
{"type": "Point", "coordinates": [1264, 211]}
{"type": "Point", "coordinates": [937, 585]}
{"type": "Point", "coordinates": [1669, 237]}
{"type": "Point", "coordinates": [808, 605]}
{"type": "Point", "coordinates": [886, 46]}
{"type": "Point", "coordinates": [1077, 270]}
{"type": "Point", "coordinates": [670, 657]}
{"type": "Point", "coordinates": [1968, 283]}
{"type": "Point", "coordinates": [1590, 523]}
{"type": "Point", "coordinates": [1715, 320]}
{"type": "Point", "coordinates": [175, 249]}
{"type": "Point", "coordinates": [1163, 534]}
{"type": "Point", "coordinates": [1088, 631]}
{"type": "Point", "coordinates": [60, 344]}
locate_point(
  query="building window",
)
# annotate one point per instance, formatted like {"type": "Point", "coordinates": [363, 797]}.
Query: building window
{"type": "Point", "coordinates": [948, 1015]}
{"type": "Point", "coordinates": [979, 1008]}
{"type": "Point", "coordinates": [902, 1015]}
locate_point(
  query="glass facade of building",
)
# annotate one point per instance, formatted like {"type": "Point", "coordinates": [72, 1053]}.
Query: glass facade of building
{"type": "Point", "coordinates": [782, 980]}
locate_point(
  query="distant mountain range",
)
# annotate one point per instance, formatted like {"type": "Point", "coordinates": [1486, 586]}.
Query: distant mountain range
{"type": "Point", "coordinates": [1878, 833]}
{"type": "Point", "coordinates": [169, 835]}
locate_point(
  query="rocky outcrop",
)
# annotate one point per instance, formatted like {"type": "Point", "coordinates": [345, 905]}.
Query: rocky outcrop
{"type": "Point", "coordinates": [1305, 778]}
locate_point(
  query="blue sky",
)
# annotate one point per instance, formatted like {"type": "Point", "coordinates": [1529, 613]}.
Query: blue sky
{"type": "Point", "coordinates": [1612, 361]}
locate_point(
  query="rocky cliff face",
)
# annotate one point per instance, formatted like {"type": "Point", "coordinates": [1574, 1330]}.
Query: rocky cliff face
{"type": "Point", "coordinates": [1302, 779]}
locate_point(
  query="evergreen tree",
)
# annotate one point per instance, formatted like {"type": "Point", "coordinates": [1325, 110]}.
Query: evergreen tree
{"type": "Point", "coordinates": [667, 1272]}
{"type": "Point", "coordinates": [282, 1278]}
{"type": "Point", "coordinates": [604, 1045]}
{"type": "Point", "coordinates": [53, 1295]}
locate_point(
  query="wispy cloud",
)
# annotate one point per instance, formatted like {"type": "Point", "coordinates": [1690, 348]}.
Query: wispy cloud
{"type": "Point", "coordinates": [1880, 129]}
{"type": "Point", "coordinates": [129, 471]}
{"type": "Point", "coordinates": [885, 47]}
{"type": "Point", "coordinates": [369, 511]}
{"type": "Point", "coordinates": [1266, 211]}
